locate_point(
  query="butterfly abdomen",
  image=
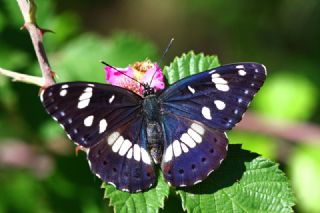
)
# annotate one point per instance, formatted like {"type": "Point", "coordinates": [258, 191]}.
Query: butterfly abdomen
{"type": "Point", "coordinates": [155, 140]}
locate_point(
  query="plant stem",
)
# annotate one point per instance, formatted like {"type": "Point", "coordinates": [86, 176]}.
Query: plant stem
{"type": "Point", "coordinates": [23, 78]}
{"type": "Point", "coordinates": [28, 10]}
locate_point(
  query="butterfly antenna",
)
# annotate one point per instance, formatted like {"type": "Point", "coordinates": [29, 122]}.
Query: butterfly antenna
{"type": "Point", "coordinates": [108, 65]}
{"type": "Point", "coordinates": [162, 57]}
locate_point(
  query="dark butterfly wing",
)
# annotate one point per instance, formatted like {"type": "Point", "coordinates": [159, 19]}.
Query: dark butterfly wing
{"type": "Point", "coordinates": [122, 159]}
{"type": "Point", "coordinates": [107, 122]}
{"type": "Point", "coordinates": [218, 97]}
{"type": "Point", "coordinates": [195, 113]}
{"type": "Point", "coordinates": [87, 111]}
{"type": "Point", "coordinates": [192, 150]}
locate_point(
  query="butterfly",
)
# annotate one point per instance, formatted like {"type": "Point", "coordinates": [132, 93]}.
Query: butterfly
{"type": "Point", "coordinates": [182, 128]}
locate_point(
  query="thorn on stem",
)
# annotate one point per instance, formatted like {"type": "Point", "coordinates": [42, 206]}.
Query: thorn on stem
{"type": "Point", "coordinates": [43, 31]}
{"type": "Point", "coordinates": [24, 26]}
{"type": "Point", "coordinates": [53, 74]}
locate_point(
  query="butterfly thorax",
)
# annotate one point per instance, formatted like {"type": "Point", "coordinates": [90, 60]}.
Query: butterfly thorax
{"type": "Point", "coordinates": [154, 132]}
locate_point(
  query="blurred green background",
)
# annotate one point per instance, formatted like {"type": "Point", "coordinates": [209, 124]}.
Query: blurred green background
{"type": "Point", "coordinates": [39, 170]}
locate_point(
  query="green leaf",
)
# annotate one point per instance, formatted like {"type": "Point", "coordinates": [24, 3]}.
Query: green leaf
{"type": "Point", "coordinates": [304, 170]}
{"type": "Point", "coordinates": [243, 183]}
{"type": "Point", "coordinates": [189, 64]}
{"type": "Point", "coordinates": [149, 201]}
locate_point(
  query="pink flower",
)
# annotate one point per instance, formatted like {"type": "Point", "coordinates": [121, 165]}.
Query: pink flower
{"type": "Point", "coordinates": [140, 71]}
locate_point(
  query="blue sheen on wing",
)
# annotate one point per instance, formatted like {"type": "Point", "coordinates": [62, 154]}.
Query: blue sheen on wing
{"type": "Point", "coordinates": [218, 97]}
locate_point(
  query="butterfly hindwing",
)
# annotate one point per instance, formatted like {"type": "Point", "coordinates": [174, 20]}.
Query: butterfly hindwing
{"type": "Point", "coordinates": [217, 97]}
{"type": "Point", "coordinates": [122, 159]}
{"type": "Point", "coordinates": [87, 111]}
{"type": "Point", "coordinates": [191, 150]}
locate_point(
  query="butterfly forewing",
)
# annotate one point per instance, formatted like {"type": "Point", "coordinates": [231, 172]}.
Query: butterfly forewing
{"type": "Point", "coordinates": [217, 97]}
{"type": "Point", "coordinates": [192, 150]}
{"type": "Point", "coordinates": [88, 111]}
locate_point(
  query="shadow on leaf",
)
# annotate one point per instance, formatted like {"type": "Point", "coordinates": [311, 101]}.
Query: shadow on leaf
{"type": "Point", "coordinates": [230, 171]}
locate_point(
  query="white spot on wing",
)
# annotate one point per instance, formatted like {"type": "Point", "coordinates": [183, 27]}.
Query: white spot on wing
{"type": "Point", "coordinates": [219, 104]}
{"type": "Point", "coordinates": [112, 184]}
{"type": "Point", "coordinates": [63, 92]}
{"type": "Point", "coordinates": [206, 113]}
{"type": "Point", "coordinates": [212, 71]}
{"type": "Point", "coordinates": [125, 146]}
{"type": "Point", "coordinates": [239, 67]}
{"type": "Point", "coordinates": [215, 75]}
{"type": "Point", "coordinates": [111, 99]}
{"type": "Point", "coordinates": [242, 72]}
{"type": "Point", "coordinates": [168, 154]}
{"type": "Point", "coordinates": [197, 181]}
{"type": "Point", "coordinates": [88, 120]}
{"type": "Point", "coordinates": [41, 95]}
{"type": "Point", "coordinates": [219, 81]}
{"type": "Point", "coordinates": [69, 136]}
{"type": "Point", "coordinates": [191, 89]}
{"type": "Point", "coordinates": [185, 149]}
{"type": "Point", "coordinates": [112, 137]}
{"type": "Point", "coordinates": [145, 156]}
{"type": "Point", "coordinates": [265, 69]}
{"type": "Point", "coordinates": [136, 152]}
{"type": "Point", "coordinates": [176, 148]}
{"type": "Point", "coordinates": [186, 138]}
{"type": "Point", "coordinates": [88, 89]}
{"type": "Point", "coordinates": [83, 103]}
{"type": "Point", "coordinates": [62, 126]}
{"type": "Point", "coordinates": [98, 175]}
{"type": "Point", "coordinates": [102, 125]}
{"type": "Point", "coordinates": [222, 87]}
{"type": "Point", "coordinates": [117, 144]}
{"type": "Point", "coordinates": [84, 98]}
{"type": "Point", "coordinates": [198, 128]}
{"type": "Point", "coordinates": [129, 155]}
{"type": "Point", "coordinates": [210, 172]}
{"type": "Point", "coordinates": [65, 86]}
{"type": "Point", "coordinates": [195, 136]}
{"type": "Point", "coordinates": [87, 93]}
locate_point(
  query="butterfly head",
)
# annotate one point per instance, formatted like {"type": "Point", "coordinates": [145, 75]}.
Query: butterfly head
{"type": "Point", "coordinates": [147, 90]}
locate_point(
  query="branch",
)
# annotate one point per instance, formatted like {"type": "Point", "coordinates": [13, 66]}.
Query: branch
{"type": "Point", "coordinates": [28, 10]}
{"type": "Point", "coordinates": [23, 77]}
{"type": "Point", "coordinates": [295, 132]}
